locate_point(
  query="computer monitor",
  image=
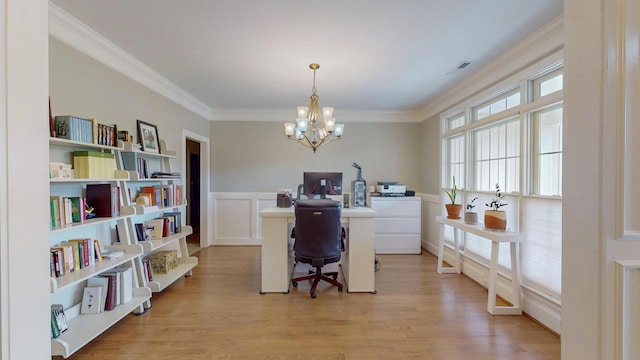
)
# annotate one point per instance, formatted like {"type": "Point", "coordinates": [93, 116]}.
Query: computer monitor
{"type": "Point", "coordinates": [322, 183]}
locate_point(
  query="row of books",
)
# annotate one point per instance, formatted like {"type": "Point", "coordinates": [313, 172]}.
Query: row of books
{"type": "Point", "coordinates": [167, 224]}
{"type": "Point", "coordinates": [73, 255]}
{"type": "Point", "coordinates": [101, 200]}
{"type": "Point", "coordinates": [58, 320]}
{"type": "Point", "coordinates": [85, 130]}
{"type": "Point", "coordinates": [163, 195]}
{"type": "Point", "coordinates": [67, 210]}
{"type": "Point", "coordinates": [106, 291]}
{"type": "Point", "coordinates": [146, 268]}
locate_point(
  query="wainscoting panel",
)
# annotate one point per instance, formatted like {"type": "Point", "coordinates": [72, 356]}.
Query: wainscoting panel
{"type": "Point", "coordinates": [236, 217]}
{"type": "Point", "coordinates": [627, 310]}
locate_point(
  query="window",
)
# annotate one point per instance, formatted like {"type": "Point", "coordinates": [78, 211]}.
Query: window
{"type": "Point", "coordinates": [497, 105]}
{"type": "Point", "coordinates": [455, 122]}
{"type": "Point", "coordinates": [547, 159]}
{"type": "Point", "coordinates": [547, 84]}
{"type": "Point", "coordinates": [455, 161]}
{"type": "Point", "coordinates": [497, 156]}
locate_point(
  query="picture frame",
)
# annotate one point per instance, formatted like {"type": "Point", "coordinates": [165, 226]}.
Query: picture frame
{"type": "Point", "coordinates": [148, 137]}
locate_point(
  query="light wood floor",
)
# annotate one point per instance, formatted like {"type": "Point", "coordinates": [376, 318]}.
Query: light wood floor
{"type": "Point", "coordinates": [218, 313]}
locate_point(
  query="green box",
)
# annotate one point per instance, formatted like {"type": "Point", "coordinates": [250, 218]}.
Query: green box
{"type": "Point", "coordinates": [93, 165]}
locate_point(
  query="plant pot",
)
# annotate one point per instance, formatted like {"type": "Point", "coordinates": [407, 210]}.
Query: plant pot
{"type": "Point", "coordinates": [495, 219]}
{"type": "Point", "coordinates": [453, 211]}
{"type": "Point", "coordinates": [471, 217]}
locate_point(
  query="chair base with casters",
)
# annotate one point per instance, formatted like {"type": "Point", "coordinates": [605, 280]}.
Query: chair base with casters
{"type": "Point", "coordinates": [316, 277]}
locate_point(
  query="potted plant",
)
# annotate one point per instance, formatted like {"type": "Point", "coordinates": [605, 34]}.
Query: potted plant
{"type": "Point", "coordinates": [453, 209]}
{"type": "Point", "coordinates": [471, 217]}
{"type": "Point", "coordinates": [495, 218]}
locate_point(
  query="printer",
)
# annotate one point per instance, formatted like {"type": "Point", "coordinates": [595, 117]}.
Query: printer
{"type": "Point", "coordinates": [391, 189]}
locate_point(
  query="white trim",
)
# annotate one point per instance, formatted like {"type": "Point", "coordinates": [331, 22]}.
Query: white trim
{"type": "Point", "coordinates": [4, 204]}
{"type": "Point", "coordinates": [548, 39]}
{"type": "Point", "coordinates": [205, 170]}
{"type": "Point", "coordinates": [342, 116]}
{"type": "Point", "coordinates": [74, 33]}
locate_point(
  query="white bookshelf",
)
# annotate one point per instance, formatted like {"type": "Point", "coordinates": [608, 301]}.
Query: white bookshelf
{"type": "Point", "coordinates": [67, 289]}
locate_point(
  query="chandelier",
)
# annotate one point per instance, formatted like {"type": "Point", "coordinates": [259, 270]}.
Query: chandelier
{"type": "Point", "coordinates": [313, 128]}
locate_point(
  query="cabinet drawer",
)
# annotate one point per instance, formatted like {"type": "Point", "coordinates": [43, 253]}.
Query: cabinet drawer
{"type": "Point", "coordinates": [398, 244]}
{"type": "Point", "coordinates": [396, 208]}
{"type": "Point", "coordinates": [397, 225]}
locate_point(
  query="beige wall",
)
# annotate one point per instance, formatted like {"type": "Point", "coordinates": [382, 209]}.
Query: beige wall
{"type": "Point", "coordinates": [81, 86]}
{"type": "Point", "coordinates": [256, 157]}
{"type": "Point", "coordinates": [430, 150]}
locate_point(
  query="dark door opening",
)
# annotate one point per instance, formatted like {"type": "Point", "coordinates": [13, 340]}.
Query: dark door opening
{"type": "Point", "coordinates": [193, 190]}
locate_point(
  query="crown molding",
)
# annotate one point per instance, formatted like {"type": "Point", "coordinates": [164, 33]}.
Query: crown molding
{"type": "Point", "coordinates": [546, 40]}
{"type": "Point", "coordinates": [74, 33]}
{"type": "Point", "coordinates": [342, 116]}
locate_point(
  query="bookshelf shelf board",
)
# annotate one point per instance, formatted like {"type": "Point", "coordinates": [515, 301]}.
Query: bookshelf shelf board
{"type": "Point", "coordinates": [131, 252]}
{"type": "Point", "coordinates": [69, 143]}
{"type": "Point", "coordinates": [84, 328]}
{"type": "Point", "coordinates": [161, 281]}
{"type": "Point", "coordinates": [146, 210]}
{"type": "Point", "coordinates": [85, 181]}
{"type": "Point", "coordinates": [168, 154]}
{"type": "Point", "coordinates": [91, 222]}
{"type": "Point", "coordinates": [155, 244]}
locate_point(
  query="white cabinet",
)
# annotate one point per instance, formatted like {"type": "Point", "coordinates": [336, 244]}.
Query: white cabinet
{"type": "Point", "coordinates": [397, 225]}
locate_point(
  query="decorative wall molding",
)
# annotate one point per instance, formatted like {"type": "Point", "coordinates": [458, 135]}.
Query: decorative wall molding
{"type": "Point", "coordinates": [547, 40]}
{"type": "Point", "coordinates": [348, 116]}
{"type": "Point", "coordinates": [627, 324]}
{"type": "Point", "coordinates": [74, 33]}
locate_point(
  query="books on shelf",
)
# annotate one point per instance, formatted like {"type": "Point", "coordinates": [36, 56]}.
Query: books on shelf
{"type": "Point", "coordinates": [66, 210]}
{"type": "Point", "coordinates": [112, 254]}
{"type": "Point", "coordinates": [164, 195]}
{"type": "Point", "coordinates": [73, 255]}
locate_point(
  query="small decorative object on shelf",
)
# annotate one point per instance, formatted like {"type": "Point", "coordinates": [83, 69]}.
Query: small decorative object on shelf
{"type": "Point", "coordinates": [471, 217]}
{"type": "Point", "coordinates": [494, 218]}
{"type": "Point", "coordinates": [453, 209]}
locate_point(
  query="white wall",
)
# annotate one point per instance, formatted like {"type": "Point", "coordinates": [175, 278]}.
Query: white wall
{"type": "Point", "coordinates": [24, 295]}
{"type": "Point", "coordinates": [256, 156]}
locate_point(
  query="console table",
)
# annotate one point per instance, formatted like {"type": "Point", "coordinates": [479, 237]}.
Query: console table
{"type": "Point", "coordinates": [496, 237]}
{"type": "Point", "coordinates": [358, 259]}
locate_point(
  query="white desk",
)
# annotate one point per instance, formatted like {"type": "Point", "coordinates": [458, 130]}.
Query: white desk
{"type": "Point", "coordinates": [496, 237]}
{"type": "Point", "coordinates": [357, 261]}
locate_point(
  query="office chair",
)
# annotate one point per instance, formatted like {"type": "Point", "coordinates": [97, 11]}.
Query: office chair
{"type": "Point", "coordinates": [317, 239]}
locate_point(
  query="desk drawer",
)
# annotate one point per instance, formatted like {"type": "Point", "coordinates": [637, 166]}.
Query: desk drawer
{"type": "Point", "coordinates": [398, 244]}
{"type": "Point", "coordinates": [397, 225]}
{"type": "Point", "coordinates": [396, 208]}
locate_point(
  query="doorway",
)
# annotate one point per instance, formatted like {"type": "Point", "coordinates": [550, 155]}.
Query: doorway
{"type": "Point", "coordinates": [192, 152]}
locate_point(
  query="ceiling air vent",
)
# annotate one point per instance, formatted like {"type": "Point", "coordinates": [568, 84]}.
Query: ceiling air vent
{"type": "Point", "coordinates": [462, 65]}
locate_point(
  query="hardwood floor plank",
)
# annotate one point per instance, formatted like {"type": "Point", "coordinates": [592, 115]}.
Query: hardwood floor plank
{"type": "Point", "coordinates": [218, 313]}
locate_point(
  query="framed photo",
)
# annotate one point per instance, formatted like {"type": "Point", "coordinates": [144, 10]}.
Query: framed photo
{"type": "Point", "coordinates": [148, 137]}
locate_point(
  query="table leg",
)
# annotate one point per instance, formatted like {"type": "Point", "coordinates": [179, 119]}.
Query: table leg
{"type": "Point", "coordinates": [493, 278]}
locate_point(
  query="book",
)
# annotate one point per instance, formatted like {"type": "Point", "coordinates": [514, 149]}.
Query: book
{"type": "Point", "coordinates": [156, 227]}
{"type": "Point", "coordinates": [110, 302]}
{"type": "Point", "coordinates": [141, 234]}
{"type": "Point", "coordinates": [101, 198]}
{"type": "Point", "coordinates": [177, 220]}
{"type": "Point", "coordinates": [126, 285]}
{"type": "Point", "coordinates": [112, 254]}
{"type": "Point", "coordinates": [102, 282]}
{"type": "Point", "coordinates": [58, 320]}
{"type": "Point", "coordinates": [91, 300]}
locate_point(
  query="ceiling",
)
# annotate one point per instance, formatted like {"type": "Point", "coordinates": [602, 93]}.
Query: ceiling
{"type": "Point", "coordinates": [374, 55]}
